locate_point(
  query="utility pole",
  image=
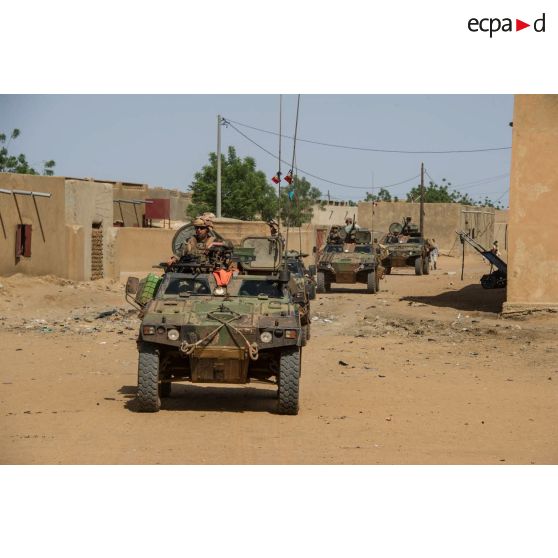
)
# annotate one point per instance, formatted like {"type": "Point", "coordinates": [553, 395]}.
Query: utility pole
{"type": "Point", "coordinates": [421, 224]}
{"type": "Point", "coordinates": [218, 203]}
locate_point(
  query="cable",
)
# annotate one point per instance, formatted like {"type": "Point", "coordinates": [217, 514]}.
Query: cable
{"type": "Point", "coordinates": [310, 174]}
{"type": "Point", "coordinates": [373, 149]}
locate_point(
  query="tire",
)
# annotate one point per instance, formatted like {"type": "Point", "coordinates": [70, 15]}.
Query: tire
{"type": "Point", "coordinates": [289, 378]}
{"type": "Point", "coordinates": [148, 397]}
{"type": "Point", "coordinates": [371, 283]}
{"type": "Point", "coordinates": [165, 389]}
{"type": "Point", "coordinates": [312, 293]}
{"type": "Point", "coordinates": [320, 282]}
{"type": "Point", "coordinates": [418, 266]}
{"type": "Point", "coordinates": [426, 267]}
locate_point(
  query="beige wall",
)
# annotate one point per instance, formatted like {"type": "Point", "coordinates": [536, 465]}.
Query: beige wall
{"type": "Point", "coordinates": [330, 214]}
{"type": "Point", "coordinates": [533, 225]}
{"type": "Point", "coordinates": [48, 254]}
{"type": "Point", "coordinates": [89, 203]}
{"type": "Point", "coordinates": [179, 202]}
{"type": "Point", "coordinates": [140, 249]}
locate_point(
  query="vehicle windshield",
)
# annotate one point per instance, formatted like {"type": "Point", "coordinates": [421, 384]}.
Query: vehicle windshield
{"type": "Point", "coordinates": [187, 285]}
{"type": "Point", "coordinates": [272, 289]}
{"type": "Point", "coordinates": [414, 241]}
{"type": "Point", "coordinates": [365, 249]}
{"type": "Point", "coordinates": [334, 248]}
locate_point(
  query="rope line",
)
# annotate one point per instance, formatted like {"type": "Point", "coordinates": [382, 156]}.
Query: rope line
{"type": "Point", "coordinates": [374, 149]}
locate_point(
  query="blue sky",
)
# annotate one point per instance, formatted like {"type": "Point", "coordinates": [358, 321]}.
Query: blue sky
{"type": "Point", "coordinates": [162, 140]}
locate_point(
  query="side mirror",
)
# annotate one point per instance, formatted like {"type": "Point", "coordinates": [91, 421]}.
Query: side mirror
{"type": "Point", "coordinates": [312, 270]}
{"type": "Point", "coordinates": [132, 285]}
{"type": "Point", "coordinates": [284, 276]}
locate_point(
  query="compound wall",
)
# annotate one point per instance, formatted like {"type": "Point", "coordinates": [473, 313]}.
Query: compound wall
{"type": "Point", "coordinates": [533, 225]}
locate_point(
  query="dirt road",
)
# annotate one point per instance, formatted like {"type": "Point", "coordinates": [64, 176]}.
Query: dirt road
{"type": "Point", "coordinates": [423, 372]}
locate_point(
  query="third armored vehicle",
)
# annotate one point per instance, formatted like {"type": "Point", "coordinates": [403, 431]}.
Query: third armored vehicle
{"type": "Point", "coordinates": [228, 317]}
{"type": "Point", "coordinates": [405, 247]}
{"type": "Point", "coordinates": [348, 258]}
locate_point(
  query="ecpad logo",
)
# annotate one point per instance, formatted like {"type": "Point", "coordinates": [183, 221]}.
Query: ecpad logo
{"type": "Point", "coordinates": [493, 25]}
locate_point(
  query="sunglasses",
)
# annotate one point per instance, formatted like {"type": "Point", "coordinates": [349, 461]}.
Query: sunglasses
{"type": "Point", "coordinates": [200, 228]}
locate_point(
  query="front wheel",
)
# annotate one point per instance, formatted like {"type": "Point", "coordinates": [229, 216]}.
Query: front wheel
{"type": "Point", "coordinates": [371, 283]}
{"type": "Point", "coordinates": [312, 293]}
{"type": "Point", "coordinates": [418, 266]}
{"type": "Point", "coordinates": [289, 378]}
{"type": "Point", "coordinates": [149, 400]}
{"type": "Point", "coordinates": [320, 282]}
{"type": "Point", "coordinates": [426, 266]}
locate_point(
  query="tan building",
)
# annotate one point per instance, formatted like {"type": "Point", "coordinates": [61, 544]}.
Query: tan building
{"type": "Point", "coordinates": [66, 231]}
{"type": "Point", "coordinates": [533, 222]}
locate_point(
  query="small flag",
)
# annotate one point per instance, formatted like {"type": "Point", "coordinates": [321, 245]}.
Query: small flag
{"type": "Point", "coordinates": [276, 179]}
{"type": "Point", "coordinates": [289, 177]}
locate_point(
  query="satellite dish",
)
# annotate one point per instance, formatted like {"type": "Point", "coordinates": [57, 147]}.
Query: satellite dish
{"type": "Point", "coordinates": [395, 228]}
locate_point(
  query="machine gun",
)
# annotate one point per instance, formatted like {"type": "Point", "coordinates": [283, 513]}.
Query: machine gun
{"type": "Point", "coordinates": [220, 255]}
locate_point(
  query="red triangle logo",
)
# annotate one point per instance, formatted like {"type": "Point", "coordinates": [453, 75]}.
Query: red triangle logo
{"type": "Point", "coordinates": [519, 25]}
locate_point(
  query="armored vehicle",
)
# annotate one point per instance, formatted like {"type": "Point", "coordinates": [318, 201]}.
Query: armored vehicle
{"type": "Point", "coordinates": [404, 246]}
{"type": "Point", "coordinates": [348, 258]}
{"type": "Point", "coordinates": [228, 317]}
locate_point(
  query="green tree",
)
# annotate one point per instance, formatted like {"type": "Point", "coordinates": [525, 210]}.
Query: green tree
{"type": "Point", "coordinates": [441, 193]}
{"type": "Point", "coordinates": [382, 195]}
{"type": "Point", "coordinates": [245, 191]}
{"type": "Point", "coordinates": [18, 163]}
{"type": "Point", "coordinates": [297, 202]}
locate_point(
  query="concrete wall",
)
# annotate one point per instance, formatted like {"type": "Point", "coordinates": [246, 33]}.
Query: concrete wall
{"type": "Point", "coordinates": [48, 254]}
{"type": "Point", "coordinates": [138, 250]}
{"type": "Point", "coordinates": [533, 225]}
{"type": "Point", "coordinates": [441, 220]}
{"type": "Point", "coordinates": [331, 214]}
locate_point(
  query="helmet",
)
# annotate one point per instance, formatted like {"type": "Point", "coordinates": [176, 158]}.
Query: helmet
{"type": "Point", "coordinates": [197, 222]}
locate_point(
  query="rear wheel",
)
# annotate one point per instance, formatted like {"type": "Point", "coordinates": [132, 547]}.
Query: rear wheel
{"type": "Point", "coordinates": [289, 377]}
{"type": "Point", "coordinates": [320, 282]}
{"type": "Point", "coordinates": [371, 283]}
{"type": "Point", "coordinates": [418, 266]}
{"type": "Point", "coordinates": [148, 397]}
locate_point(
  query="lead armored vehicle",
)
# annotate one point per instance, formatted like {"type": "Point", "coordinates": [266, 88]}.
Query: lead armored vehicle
{"type": "Point", "coordinates": [349, 258]}
{"type": "Point", "coordinates": [228, 317]}
{"type": "Point", "coordinates": [404, 246]}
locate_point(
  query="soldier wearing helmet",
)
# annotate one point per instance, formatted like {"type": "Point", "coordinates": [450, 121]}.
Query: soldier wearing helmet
{"type": "Point", "coordinates": [198, 244]}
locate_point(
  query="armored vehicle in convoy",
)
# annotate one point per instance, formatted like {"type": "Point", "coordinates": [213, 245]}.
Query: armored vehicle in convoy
{"type": "Point", "coordinates": [227, 317]}
{"type": "Point", "coordinates": [404, 246]}
{"type": "Point", "coordinates": [349, 258]}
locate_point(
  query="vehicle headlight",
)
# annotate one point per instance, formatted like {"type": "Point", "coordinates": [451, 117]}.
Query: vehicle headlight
{"type": "Point", "coordinates": [291, 334]}
{"type": "Point", "coordinates": [173, 334]}
{"type": "Point", "coordinates": [266, 337]}
{"type": "Point", "coordinates": [148, 330]}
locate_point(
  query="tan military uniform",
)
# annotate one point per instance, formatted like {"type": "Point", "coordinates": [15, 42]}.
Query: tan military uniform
{"type": "Point", "coordinates": [194, 248]}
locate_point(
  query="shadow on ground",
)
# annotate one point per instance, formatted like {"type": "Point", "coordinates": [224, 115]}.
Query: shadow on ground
{"type": "Point", "coordinates": [189, 397]}
{"type": "Point", "coordinates": [470, 298]}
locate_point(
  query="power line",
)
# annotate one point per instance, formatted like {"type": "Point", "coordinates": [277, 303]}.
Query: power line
{"type": "Point", "coordinates": [374, 149]}
{"type": "Point", "coordinates": [302, 171]}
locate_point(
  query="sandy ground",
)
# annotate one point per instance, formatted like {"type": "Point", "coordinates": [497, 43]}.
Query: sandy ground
{"type": "Point", "coordinates": [426, 371]}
